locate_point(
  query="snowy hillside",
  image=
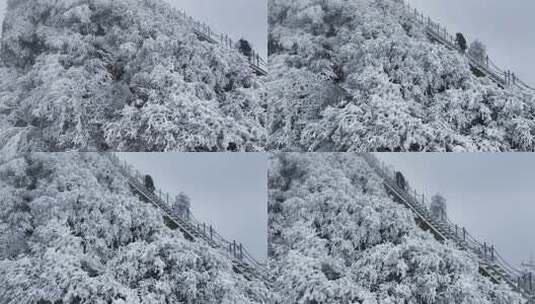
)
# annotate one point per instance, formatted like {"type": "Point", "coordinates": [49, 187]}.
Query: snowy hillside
{"type": "Point", "coordinates": [336, 237]}
{"type": "Point", "coordinates": [361, 75]}
{"type": "Point", "coordinates": [72, 231]}
{"type": "Point", "coordinates": [122, 75]}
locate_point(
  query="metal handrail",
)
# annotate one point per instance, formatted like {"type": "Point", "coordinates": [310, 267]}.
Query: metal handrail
{"type": "Point", "coordinates": [207, 33]}
{"type": "Point", "coordinates": [444, 37]}
{"type": "Point", "coordinates": [487, 254]}
{"type": "Point", "coordinates": [213, 238]}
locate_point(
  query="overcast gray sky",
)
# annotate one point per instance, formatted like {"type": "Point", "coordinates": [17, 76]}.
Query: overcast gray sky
{"type": "Point", "coordinates": [493, 195]}
{"type": "Point", "coordinates": [237, 18]}
{"type": "Point", "coordinates": [227, 190]}
{"type": "Point", "coordinates": [3, 4]}
{"type": "Point", "coordinates": [506, 27]}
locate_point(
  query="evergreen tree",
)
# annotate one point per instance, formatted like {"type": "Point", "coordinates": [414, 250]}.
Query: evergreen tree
{"type": "Point", "coordinates": [245, 48]}
{"type": "Point", "coordinates": [149, 183]}
{"type": "Point", "coordinates": [461, 42]}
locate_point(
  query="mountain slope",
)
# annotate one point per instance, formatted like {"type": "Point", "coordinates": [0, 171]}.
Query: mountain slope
{"type": "Point", "coordinates": [72, 231]}
{"type": "Point", "coordinates": [335, 236]}
{"type": "Point", "coordinates": [360, 75]}
{"type": "Point", "coordinates": [122, 75]}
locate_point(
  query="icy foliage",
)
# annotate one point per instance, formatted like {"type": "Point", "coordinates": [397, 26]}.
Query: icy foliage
{"type": "Point", "coordinates": [71, 231]}
{"type": "Point", "coordinates": [335, 236]}
{"type": "Point", "coordinates": [360, 75]}
{"type": "Point", "coordinates": [122, 75]}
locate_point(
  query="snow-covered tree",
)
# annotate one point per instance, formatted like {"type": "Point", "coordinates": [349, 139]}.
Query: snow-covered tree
{"type": "Point", "coordinates": [126, 75]}
{"type": "Point", "coordinates": [337, 237]}
{"type": "Point", "coordinates": [361, 75]}
{"type": "Point", "coordinates": [72, 231]}
{"type": "Point", "coordinates": [181, 206]}
{"type": "Point", "coordinates": [438, 206]}
{"type": "Point", "coordinates": [478, 51]}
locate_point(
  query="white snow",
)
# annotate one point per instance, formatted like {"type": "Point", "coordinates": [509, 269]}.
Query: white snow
{"type": "Point", "coordinates": [72, 231]}
{"type": "Point", "coordinates": [126, 75]}
{"type": "Point", "coordinates": [335, 236]}
{"type": "Point", "coordinates": [360, 75]}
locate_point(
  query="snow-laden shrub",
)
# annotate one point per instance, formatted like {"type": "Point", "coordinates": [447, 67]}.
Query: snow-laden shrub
{"type": "Point", "coordinates": [72, 231]}
{"type": "Point", "coordinates": [336, 236]}
{"type": "Point", "coordinates": [384, 86]}
{"type": "Point", "coordinates": [123, 75]}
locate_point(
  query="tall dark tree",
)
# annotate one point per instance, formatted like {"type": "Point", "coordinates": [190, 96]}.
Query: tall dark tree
{"type": "Point", "coordinates": [149, 183]}
{"type": "Point", "coordinates": [461, 42]}
{"type": "Point", "coordinates": [245, 48]}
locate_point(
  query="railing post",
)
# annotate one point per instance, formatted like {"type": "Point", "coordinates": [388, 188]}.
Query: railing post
{"type": "Point", "coordinates": [464, 234]}
{"type": "Point", "coordinates": [485, 250]}
{"type": "Point", "coordinates": [204, 228]}
{"type": "Point", "coordinates": [492, 252]}
{"type": "Point", "coordinates": [241, 252]}
{"type": "Point", "coordinates": [211, 233]}
{"type": "Point", "coordinates": [234, 248]}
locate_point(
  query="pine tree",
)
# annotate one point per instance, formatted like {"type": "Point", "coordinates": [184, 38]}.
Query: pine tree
{"type": "Point", "coordinates": [245, 48]}
{"type": "Point", "coordinates": [461, 42]}
{"type": "Point", "coordinates": [149, 183]}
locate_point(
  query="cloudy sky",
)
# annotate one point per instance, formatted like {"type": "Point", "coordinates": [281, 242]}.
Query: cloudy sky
{"type": "Point", "coordinates": [237, 18]}
{"type": "Point", "coordinates": [2, 10]}
{"type": "Point", "coordinates": [493, 195]}
{"type": "Point", "coordinates": [506, 27]}
{"type": "Point", "coordinates": [227, 190]}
